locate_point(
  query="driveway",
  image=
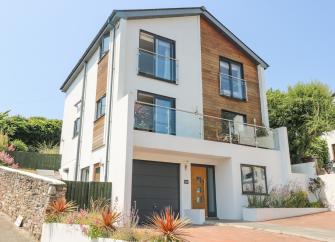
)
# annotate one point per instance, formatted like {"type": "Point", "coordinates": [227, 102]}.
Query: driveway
{"type": "Point", "coordinates": [316, 227]}
{"type": "Point", "coordinates": [10, 233]}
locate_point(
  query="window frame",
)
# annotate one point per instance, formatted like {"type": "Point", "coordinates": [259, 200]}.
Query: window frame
{"type": "Point", "coordinates": [172, 56]}
{"type": "Point", "coordinates": [98, 107]}
{"type": "Point", "coordinates": [102, 53]}
{"type": "Point", "coordinates": [253, 180]}
{"type": "Point", "coordinates": [76, 127]}
{"type": "Point", "coordinates": [230, 62]}
{"type": "Point", "coordinates": [158, 96]}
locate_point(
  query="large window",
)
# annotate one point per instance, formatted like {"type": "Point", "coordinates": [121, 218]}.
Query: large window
{"type": "Point", "coordinates": [104, 45]}
{"type": "Point", "coordinates": [155, 113]}
{"type": "Point", "coordinates": [253, 179]}
{"type": "Point", "coordinates": [157, 57]}
{"type": "Point", "coordinates": [100, 107]}
{"type": "Point", "coordinates": [76, 127]}
{"type": "Point", "coordinates": [231, 79]}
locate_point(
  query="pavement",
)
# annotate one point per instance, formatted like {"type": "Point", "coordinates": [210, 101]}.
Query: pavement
{"type": "Point", "coordinates": [316, 227]}
{"type": "Point", "coordinates": [10, 233]}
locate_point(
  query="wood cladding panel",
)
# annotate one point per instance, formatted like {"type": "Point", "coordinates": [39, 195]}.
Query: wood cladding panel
{"type": "Point", "coordinates": [99, 124]}
{"type": "Point", "coordinates": [213, 46]}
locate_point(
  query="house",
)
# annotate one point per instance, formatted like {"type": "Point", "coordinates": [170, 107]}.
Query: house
{"type": "Point", "coordinates": [170, 106]}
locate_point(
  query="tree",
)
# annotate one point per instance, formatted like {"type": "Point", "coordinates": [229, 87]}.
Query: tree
{"type": "Point", "coordinates": [308, 111]}
{"type": "Point", "coordinates": [31, 131]}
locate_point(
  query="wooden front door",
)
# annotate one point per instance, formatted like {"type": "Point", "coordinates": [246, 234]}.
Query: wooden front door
{"type": "Point", "coordinates": [199, 188]}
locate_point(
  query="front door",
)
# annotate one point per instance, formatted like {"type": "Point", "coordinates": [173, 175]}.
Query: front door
{"type": "Point", "coordinates": [203, 189]}
{"type": "Point", "coordinates": [199, 188]}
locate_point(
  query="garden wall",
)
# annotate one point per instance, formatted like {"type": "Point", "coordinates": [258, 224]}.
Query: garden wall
{"type": "Point", "coordinates": [26, 194]}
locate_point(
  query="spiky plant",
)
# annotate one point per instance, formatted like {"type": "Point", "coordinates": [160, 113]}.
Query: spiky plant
{"type": "Point", "coordinates": [60, 206]}
{"type": "Point", "coordinates": [109, 218]}
{"type": "Point", "coordinates": [99, 205]}
{"type": "Point", "coordinates": [169, 225]}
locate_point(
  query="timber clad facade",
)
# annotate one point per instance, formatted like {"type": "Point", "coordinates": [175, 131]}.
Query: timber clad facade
{"type": "Point", "coordinates": [99, 123]}
{"type": "Point", "coordinates": [213, 46]}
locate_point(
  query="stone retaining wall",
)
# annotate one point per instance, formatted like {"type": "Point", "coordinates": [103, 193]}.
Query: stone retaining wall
{"type": "Point", "coordinates": [27, 194]}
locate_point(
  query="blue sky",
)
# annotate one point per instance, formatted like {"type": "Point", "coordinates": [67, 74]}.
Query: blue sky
{"type": "Point", "coordinates": [42, 40]}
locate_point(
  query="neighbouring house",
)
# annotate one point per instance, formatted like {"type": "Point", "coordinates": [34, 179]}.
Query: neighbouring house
{"type": "Point", "coordinates": [170, 106]}
{"type": "Point", "coordinates": [330, 138]}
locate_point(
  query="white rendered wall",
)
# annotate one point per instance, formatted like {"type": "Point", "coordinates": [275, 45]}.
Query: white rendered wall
{"type": "Point", "coordinates": [185, 31]}
{"type": "Point", "coordinates": [226, 158]}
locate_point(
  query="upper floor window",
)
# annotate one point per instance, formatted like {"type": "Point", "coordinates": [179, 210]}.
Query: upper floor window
{"type": "Point", "coordinates": [76, 127]}
{"type": "Point", "coordinates": [155, 113]}
{"type": "Point", "coordinates": [100, 107]}
{"type": "Point", "coordinates": [253, 179]}
{"type": "Point", "coordinates": [104, 45]}
{"type": "Point", "coordinates": [157, 57]}
{"type": "Point", "coordinates": [231, 79]}
{"type": "Point", "coordinates": [232, 124]}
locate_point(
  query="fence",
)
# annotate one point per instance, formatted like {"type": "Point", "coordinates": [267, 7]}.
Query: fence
{"type": "Point", "coordinates": [33, 160]}
{"type": "Point", "coordinates": [84, 192]}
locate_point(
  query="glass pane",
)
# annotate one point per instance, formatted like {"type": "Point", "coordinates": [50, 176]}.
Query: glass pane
{"type": "Point", "coordinates": [238, 88]}
{"type": "Point", "coordinates": [146, 62]}
{"type": "Point", "coordinates": [236, 70]}
{"type": "Point", "coordinates": [103, 105]}
{"type": "Point", "coordinates": [163, 61]}
{"type": "Point", "coordinates": [144, 114]}
{"type": "Point", "coordinates": [147, 42]}
{"type": "Point", "coordinates": [162, 116]}
{"type": "Point", "coordinates": [211, 190]}
{"type": "Point", "coordinates": [225, 79]}
{"type": "Point", "coordinates": [106, 43]}
{"type": "Point", "coordinates": [260, 182]}
{"type": "Point", "coordinates": [247, 182]}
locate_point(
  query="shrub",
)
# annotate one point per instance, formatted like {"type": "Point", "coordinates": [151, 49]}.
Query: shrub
{"type": "Point", "coordinates": [47, 148]}
{"type": "Point", "coordinates": [19, 145]}
{"type": "Point", "coordinates": [169, 226]}
{"type": "Point", "coordinates": [3, 141]}
{"type": "Point", "coordinates": [297, 199]}
{"type": "Point", "coordinates": [258, 201]}
{"type": "Point", "coordinates": [315, 186]}
{"type": "Point", "coordinates": [61, 206]}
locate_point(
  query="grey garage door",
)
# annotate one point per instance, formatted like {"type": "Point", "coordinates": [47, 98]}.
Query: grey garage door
{"type": "Point", "coordinates": [155, 186]}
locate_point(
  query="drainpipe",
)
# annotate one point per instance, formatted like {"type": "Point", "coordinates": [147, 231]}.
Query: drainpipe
{"type": "Point", "coordinates": [110, 106]}
{"type": "Point", "coordinates": [81, 122]}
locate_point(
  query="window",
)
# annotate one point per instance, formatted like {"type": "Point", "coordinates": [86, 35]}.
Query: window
{"type": "Point", "coordinates": [97, 172]}
{"type": "Point", "coordinates": [100, 107]}
{"type": "Point", "coordinates": [158, 115]}
{"type": "Point", "coordinates": [104, 45]}
{"type": "Point", "coordinates": [157, 57]}
{"type": "Point", "coordinates": [85, 172]}
{"type": "Point", "coordinates": [236, 124]}
{"type": "Point", "coordinates": [231, 79]}
{"type": "Point", "coordinates": [76, 127]}
{"type": "Point", "coordinates": [253, 179]}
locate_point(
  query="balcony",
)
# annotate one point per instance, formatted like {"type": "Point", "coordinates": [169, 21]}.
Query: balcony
{"type": "Point", "coordinates": [157, 66]}
{"type": "Point", "coordinates": [169, 121]}
{"type": "Point", "coordinates": [233, 87]}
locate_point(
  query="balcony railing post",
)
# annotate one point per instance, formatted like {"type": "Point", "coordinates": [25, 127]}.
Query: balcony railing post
{"type": "Point", "coordinates": [230, 132]}
{"type": "Point", "coordinates": [255, 134]}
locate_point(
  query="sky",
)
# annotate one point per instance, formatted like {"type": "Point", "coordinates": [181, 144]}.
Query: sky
{"type": "Point", "coordinates": [41, 41]}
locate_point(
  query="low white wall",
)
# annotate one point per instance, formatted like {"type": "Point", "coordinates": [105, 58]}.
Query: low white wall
{"type": "Point", "coordinates": [196, 216]}
{"type": "Point", "coordinates": [329, 190]}
{"type": "Point", "coordinates": [67, 233]}
{"type": "Point", "coordinates": [308, 168]}
{"type": "Point", "coordinates": [264, 214]}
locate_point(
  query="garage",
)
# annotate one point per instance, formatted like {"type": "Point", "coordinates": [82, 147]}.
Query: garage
{"type": "Point", "coordinates": [155, 185]}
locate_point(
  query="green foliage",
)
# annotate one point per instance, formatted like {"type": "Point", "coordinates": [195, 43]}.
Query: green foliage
{"type": "Point", "coordinates": [257, 201]}
{"type": "Point", "coordinates": [298, 199]}
{"type": "Point", "coordinates": [32, 131]}
{"type": "Point", "coordinates": [308, 111]}
{"type": "Point", "coordinates": [19, 145]}
{"type": "Point", "coordinates": [44, 148]}
{"type": "Point", "coordinates": [315, 186]}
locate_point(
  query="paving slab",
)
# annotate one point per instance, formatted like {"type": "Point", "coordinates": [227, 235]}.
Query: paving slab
{"type": "Point", "coordinates": [10, 233]}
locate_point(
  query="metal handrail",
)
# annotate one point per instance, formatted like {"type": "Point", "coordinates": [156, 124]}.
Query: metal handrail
{"type": "Point", "coordinates": [202, 115]}
{"type": "Point", "coordinates": [153, 53]}
{"type": "Point", "coordinates": [223, 74]}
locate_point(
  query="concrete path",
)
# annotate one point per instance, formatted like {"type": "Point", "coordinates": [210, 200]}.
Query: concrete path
{"type": "Point", "coordinates": [10, 233]}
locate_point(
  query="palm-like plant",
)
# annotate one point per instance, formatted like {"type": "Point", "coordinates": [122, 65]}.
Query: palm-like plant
{"type": "Point", "coordinates": [109, 218]}
{"type": "Point", "coordinates": [169, 226]}
{"type": "Point", "coordinates": [60, 206]}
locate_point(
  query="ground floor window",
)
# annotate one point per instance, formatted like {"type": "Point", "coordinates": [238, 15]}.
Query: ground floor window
{"type": "Point", "coordinates": [253, 179]}
{"type": "Point", "coordinates": [85, 172]}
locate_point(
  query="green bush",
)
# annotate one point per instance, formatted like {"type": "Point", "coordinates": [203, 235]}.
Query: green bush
{"type": "Point", "coordinates": [297, 199]}
{"type": "Point", "coordinates": [258, 201]}
{"type": "Point", "coordinates": [19, 145]}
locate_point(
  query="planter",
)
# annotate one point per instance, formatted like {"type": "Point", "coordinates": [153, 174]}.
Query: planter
{"type": "Point", "coordinates": [264, 214]}
{"type": "Point", "coordinates": [196, 216]}
{"type": "Point", "coordinates": [67, 233]}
